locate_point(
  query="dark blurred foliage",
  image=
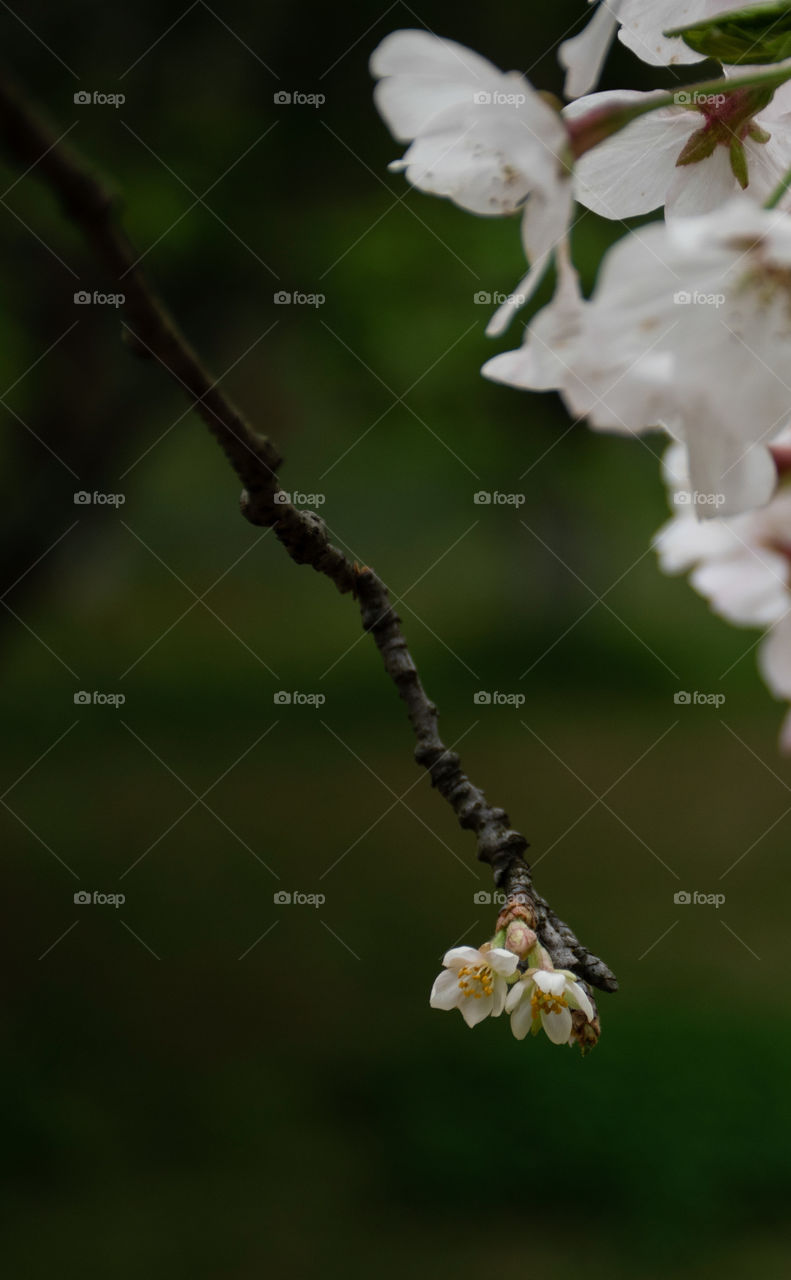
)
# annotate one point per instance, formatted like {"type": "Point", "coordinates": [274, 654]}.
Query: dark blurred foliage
{"type": "Point", "coordinates": [170, 1108]}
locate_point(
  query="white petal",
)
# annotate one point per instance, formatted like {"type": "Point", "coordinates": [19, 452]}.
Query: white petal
{"type": "Point", "coordinates": [485, 160]}
{"type": "Point", "coordinates": [774, 659]}
{"type": "Point", "coordinates": [643, 22]}
{"type": "Point", "coordinates": [557, 1025]}
{"type": "Point", "coordinates": [458, 956]}
{"type": "Point", "coordinates": [445, 993]}
{"type": "Point", "coordinates": [768, 162]}
{"type": "Point", "coordinates": [544, 230]}
{"type": "Point", "coordinates": [751, 590]}
{"type": "Point", "coordinates": [515, 995]}
{"type": "Point", "coordinates": [631, 172]}
{"type": "Point", "coordinates": [685, 540]}
{"type": "Point", "coordinates": [700, 187]}
{"type": "Point", "coordinates": [675, 466]}
{"type": "Point", "coordinates": [423, 76]}
{"type": "Point", "coordinates": [502, 961]}
{"type": "Point", "coordinates": [420, 53]}
{"type": "Point", "coordinates": [723, 464]}
{"type": "Point", "coordinates": [541, 362]}
{"type": "Point", "coordinates": [474, 1011]}
{"type": "Point", "coordinates": [481, 137]}
{"type": "Point", "coordinates": [553, 983]}
{"type": "Point", "coordinates": [522, 1020]}
{"type": "Point", "coordinates": [498, 996]}
{"type": "Point", "coordinates": [578, 999]}
{"type": "Point", "coordinates": [583, 55]}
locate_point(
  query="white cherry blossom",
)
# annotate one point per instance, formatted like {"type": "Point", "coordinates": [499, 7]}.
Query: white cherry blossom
{"type": "Point", "coordinates": [691, 157]}
{"type": "Point", "coordinates": [689, 328]}
{"type": "Point", "coordinates": [482, 137]}
{"type": "Point", "coordinates": [474, 981]}
{"type": "Point", "coordinates": [545, 998]}
{"type": "Point", "coordinates": [741, 565]}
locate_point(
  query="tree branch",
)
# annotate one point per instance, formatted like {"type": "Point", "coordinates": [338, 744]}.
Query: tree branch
{"type": "Point", "coordinates": [153, 333]}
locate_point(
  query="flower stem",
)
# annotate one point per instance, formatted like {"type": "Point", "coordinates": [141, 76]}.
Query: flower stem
{"type": "Point", "coordinates": [589, 130]}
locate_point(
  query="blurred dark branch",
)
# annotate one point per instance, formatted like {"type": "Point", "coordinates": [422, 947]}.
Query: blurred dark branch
{"type": "Point", "coordinates": [154, 334]}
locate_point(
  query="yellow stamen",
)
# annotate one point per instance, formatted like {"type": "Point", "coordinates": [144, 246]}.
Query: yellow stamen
{"type": "Point", "coordinates": [545, 1002]}
{"type": "Point", "coordinates": [481, 981]}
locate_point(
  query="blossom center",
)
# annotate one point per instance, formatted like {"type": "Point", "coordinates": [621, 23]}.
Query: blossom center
{"type": "Point", "coordinates": [733, 110]}
{"type": "Point", "coordinates": [729, 121]}
{"type": "Point", "coordinates": [545, 1002]}
{"type": "Point", "coordinates": [476, 980]}
{"type": "Point", "coordinates": [767, 282]}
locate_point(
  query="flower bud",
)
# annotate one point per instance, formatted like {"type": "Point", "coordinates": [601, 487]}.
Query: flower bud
{"type": "Point", "coordinates": [519, 938]}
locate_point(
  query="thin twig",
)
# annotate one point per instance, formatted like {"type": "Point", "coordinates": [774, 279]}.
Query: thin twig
{"type": "Point", "coordinates": [153, 333]}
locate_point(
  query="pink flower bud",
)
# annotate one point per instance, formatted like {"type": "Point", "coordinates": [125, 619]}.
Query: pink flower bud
{"type": "Point", "coordinates": [519, 938]}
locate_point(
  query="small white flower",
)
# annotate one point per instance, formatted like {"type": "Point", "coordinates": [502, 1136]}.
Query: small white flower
{"type": "Point", "coordinates": [545, 998]}
{"type": "Point", "coordinates": [690, 158]}
{"type": "Point", "coordinates": [482, 137]}
{"type": "Point", "coordinates": [474, 982]}
{"type": "Point", "coordinates": [688, 328]}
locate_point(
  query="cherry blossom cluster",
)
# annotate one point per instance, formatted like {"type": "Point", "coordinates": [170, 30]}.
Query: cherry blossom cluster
{"type": "Point", "coordinates": [688, 328]}
{"type": "Point", "coordinates": [513, 973]}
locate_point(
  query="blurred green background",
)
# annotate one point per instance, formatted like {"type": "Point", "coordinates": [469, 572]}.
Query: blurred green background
{"type": "Point", "coordinates": [203, 1082]}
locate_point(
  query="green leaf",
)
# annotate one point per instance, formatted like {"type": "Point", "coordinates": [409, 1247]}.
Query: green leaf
{"type": "Point", "coordinates": [701, 145]}
{"type": "Point", "coordinates": [759, 35]}
{"type": "Point", "coordinates": [739, 163]}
